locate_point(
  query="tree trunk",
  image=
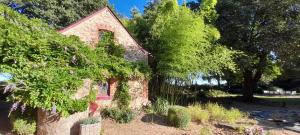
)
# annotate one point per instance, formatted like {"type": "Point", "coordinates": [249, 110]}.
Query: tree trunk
{"type": "Point", "coordinates": [248, 88]}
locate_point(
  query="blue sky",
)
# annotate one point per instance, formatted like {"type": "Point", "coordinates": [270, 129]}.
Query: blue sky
{"type": "Point", "coordinates": [123, 6]}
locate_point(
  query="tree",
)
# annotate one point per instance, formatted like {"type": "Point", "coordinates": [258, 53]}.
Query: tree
{"type": "Point", "coordinates": [57, 13]}
{"type": "Point", "coordinates": [265, 31]}
{"type": "Point", "coordinates": [183, 43]}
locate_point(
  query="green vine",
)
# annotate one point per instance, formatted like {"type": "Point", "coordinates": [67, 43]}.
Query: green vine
{"type": "Point", "coordinates": [122, 95]}
{"type": "Point", "coordinates": [47, 68]}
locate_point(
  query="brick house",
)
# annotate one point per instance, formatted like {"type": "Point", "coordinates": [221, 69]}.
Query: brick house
{"type": "Point", "coordinates": [89, 30]}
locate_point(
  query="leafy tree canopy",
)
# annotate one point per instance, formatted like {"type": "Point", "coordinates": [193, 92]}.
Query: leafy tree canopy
{"type": "Point", "coordinates": [57, 13]}
{"type": "Point", "coordinates": [267, 32]}
{"type": "Point", "coordinates": [182, 42]}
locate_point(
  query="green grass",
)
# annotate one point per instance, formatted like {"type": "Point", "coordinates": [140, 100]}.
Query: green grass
{"type": "Point", "coordinates": [198, 114]}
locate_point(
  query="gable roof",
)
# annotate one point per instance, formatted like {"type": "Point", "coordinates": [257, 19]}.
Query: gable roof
{"type": "Point", "coordinates": [96, 13]}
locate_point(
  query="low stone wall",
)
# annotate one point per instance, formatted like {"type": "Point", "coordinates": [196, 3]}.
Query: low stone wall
{"type": "Point", "coordinates": [49, 124]}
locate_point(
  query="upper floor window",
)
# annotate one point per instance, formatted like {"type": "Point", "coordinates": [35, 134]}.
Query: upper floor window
{"type": "Point", "coordinates": [105, 36]}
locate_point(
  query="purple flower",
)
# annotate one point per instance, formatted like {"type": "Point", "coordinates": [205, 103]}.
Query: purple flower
{"type": "Point", "coordinates": [14, 107]}
{"type": "Point", "coordinates": [9, 88]}
{"type": "Point", "coordinates": [53, 111]}
{"type": "Point", "coordinates": [23, 107]}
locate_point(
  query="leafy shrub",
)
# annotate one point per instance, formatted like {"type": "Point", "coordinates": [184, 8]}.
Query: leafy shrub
{"type": "Point", "coordinates": [24, 126]}
{"type": "Point", "coordinates": [161, 106]}
{"type": "Point", "coordinates": [90, 120]}
{"type": "Point", "coordinates": [233, 115]}
{"type": "Point", "coordinates": [198, 114]}
{"type": "Point", "coordinates": [214, 93]}
{"type": "Point", "coordinates": [121, 116]}
{"type": "Point", "coordinates": [53, 66]}
{"type": "Point", "coordinates": [219, 113]}
{"type": "Point", "coordinates": [126, 116]}
{"type": "Point", "coordinates": [216, 111]}
{"type": "Point", "coordinates": [205, 131]}
{"type": "Point", "coordinates": [23, 123]}
{"type": "Point", "coordinates": [179, 116]}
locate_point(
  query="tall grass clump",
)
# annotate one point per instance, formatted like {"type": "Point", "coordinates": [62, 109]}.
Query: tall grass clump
{"type": "Point", "coordinates": [233, 115]}
{"type": "Point", "coordinates": [217, 112]}
{"type": "Point", "coordinates": [198, 114]}
{"type": "Point", "coordinates": [161, 106]}
{"type": "Point", "coordinates": [205, 131]}
{"type": "Point", "coordinates": [179, 116]}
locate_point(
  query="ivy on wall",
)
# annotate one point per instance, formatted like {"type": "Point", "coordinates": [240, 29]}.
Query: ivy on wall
{"type": "Point", "coordinates": [122, 95]}
{"type": "Point", "coordinates": [47, 68]}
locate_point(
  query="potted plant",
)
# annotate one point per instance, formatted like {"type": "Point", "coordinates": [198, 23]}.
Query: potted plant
{"type": "Point", "coordinates": [90, 126]}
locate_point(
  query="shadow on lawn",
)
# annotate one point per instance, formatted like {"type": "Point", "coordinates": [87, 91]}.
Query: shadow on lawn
{"type": "Point", "coordinates": [156, 119]}
{"type": "Point", "coordinates": [270, 112]}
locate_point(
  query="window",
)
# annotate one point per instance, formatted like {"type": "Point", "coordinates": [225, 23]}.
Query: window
{"type": "Point", "coordinates": [105, 36]}
{"type": "Point", "coordinates": [103, 89]}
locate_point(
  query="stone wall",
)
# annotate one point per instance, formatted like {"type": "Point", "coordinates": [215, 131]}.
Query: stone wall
{"type": "Point", "coordinates": [49, 124]}
{"type": "Point", "coordinates": [138, 90]}
{"type": "Point", "coordinates": [88, 29]}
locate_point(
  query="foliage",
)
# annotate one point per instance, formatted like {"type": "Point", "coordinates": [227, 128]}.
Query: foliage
{"type": "Point", "coordinates": [198, 114]}
{"type": "Point", "coordinates": [262, 30]}
{"type": "Point", "coordinates": [205, 131]}
{"type": "Point", "coordinates": [212, 93]}
{"type": "Point", "coordinates": [233, 115]}
{"type": "Point", "coordinates": [48, 68]}
{"type": "Point", "coordinates": [90, 120]}
{"type": "Point", "coordinates": [176, 36]}
{"type": "Point", "coordinates": [24, 127]}
{"type": "Point", "coordinates": [113, 49]}
{"type": "Point", "coordinates": [179, 116]}
{"type": "Point", "coordinates": [23, 122]}
{"type": "Point", "coordinates": [217, 112]}
{"type": "Point", "coordinates": [121, 116]}
{"type": "Point", "coordinates": [56, 13]}
{"type": "Point", "coordinates": [161, 106]}
{"type": "Point", "coordinates": [122, 95]}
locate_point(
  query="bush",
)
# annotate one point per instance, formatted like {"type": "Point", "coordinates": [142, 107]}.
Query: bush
{"type": "Point", "coordinates": [198, 114]}
{"type": "Point", "coordinates": [214, 93]}
{"type": "Point", "coordinates": [216, 111]}
{"type": "Point", "coordinates": [205, 131]}
{"type": "Point", "coordinates": [233, 115]}
{"type": "Point", "coordinates": [179, 116]}
{"type": "Point", "coordinates": [219, 113]}
{"type": "Point", "coordinates": [161, 106]}
{"type": "Point", "coordinates": [24, 126]}
{"type": "Point", "coordinates": [121, 116]}
{"type": "Point", "coordinates": [126, 117]}
{"type": "Point", "coordinates": [90, 120]}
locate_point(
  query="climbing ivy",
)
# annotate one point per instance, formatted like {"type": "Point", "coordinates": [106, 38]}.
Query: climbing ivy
{"type": "Point", "coordinates": [122, 96]}
{"type": "Point", "coordinates": [48, 67]}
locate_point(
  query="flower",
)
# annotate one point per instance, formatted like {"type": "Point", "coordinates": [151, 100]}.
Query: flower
{"type": "Point", "coordinates": [9, 88]}
{"type": "Point", "coordinates": [23, 107]}
{"type": "Point", "coordinates": [14, 107]}
{"type": "Point", "coordinates": [53, 111]}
